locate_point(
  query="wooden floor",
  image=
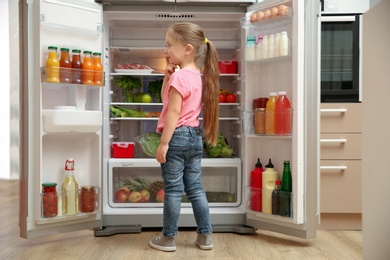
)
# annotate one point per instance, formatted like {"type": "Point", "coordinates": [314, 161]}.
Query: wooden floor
{"type": "Point", "coordinates": [83, 245]}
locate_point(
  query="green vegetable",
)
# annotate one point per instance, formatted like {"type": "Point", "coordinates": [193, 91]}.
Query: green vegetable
{"type": "Point", "coordinates": [148, 143]}
{"type": "Point", "coordinates": [124, 112]}
{"type": "Point", "coordinates": [154, 89]}
{"type": "Point", "coordinates": [220, 150]}
{"type": "Point", "coordinates": [128, 84]}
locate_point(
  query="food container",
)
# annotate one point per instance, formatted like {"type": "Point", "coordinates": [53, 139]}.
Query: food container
{"type": "Point", "coordinates": [123, 149]}
{"type": "Point", "coordinates": [227, 66]}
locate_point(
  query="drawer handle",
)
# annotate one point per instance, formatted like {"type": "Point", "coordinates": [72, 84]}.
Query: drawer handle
{"type": "Point", "coordinates": [333, 110]}
{"type": "Point", "coordinates": [340, 140]}
{"type": "Point", "coordinates": [339, 168]}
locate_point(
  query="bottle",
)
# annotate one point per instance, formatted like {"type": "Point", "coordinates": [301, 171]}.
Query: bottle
{"type": "Point", "coordinates": [65, 66]}
{"type": "Point", "coordinates": [283, 49]}
{"type": "Point", "coordinates": [276, 198]}
{"type": "Point", "coordinates": [269, 178]}
{"type": "Point", "coordinates": [277, 45]}
{"type": "Point", "coordinates": [87, 69]}
{"type": "Point", "coordinates": [258, 46]}
{"type": "Point", "coordinates": [69, 190]}
{"type": "Point", "coordinates": [286, 189]}
{"type": "Point", "coordinates": [49, 200]}
{"type": "Point", "coordinates": [271, 41]}
{"type": "Point", "coordinates": [52, 65]}
{"type": "Point", "coordinates": [256, 184]}
{"type": "Point", "coordinates": [250, 51]}
{"type": "Point", "coordinates": [259, 121]}
{"type": "Point", "coordinates": [264, 47]}
{"type": "Point", "coordinates": [282, 114]}
{"type": "Point", "coordinates": [270, 114]}
{"type": "Point", "coordinates": [76, 66]}
{"type": "Point", "coordinates": [87, 197]}
{"type": "Point", "coordinates": [97, 69]}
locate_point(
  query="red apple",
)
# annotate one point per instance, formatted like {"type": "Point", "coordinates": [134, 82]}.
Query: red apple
{"type": "Point", "coordinates": [122, 195]}
{"type": "Point", "coordinates": [145, 195]}
{"type": "Point", "coordinates": [160, 195]}
{"type": "Point", "coordinates": [135, 197]}
{"type": "Point", "coordinates": [125, 188]}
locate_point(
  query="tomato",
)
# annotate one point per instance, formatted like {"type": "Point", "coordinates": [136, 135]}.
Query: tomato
{"type": "Point", "coordinates": [222, 98]}
{"type": "Point", "coordinates": [231, 98]}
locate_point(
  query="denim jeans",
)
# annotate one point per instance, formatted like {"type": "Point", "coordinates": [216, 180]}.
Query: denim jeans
{"type": "Point", "coordinates": [182, 171]}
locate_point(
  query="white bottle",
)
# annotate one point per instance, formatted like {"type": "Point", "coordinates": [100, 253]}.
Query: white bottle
{"type": "Point", "coordinates": [269, 178]}
{"type": "Point", "coordinates": [283, 50]}
{"type": "Point", "coordinates": [250, 51]}
{"type": "Point", "coordinates": [271, 41]}
{"type": "Point", "coordinates": [258, 46]}
{"type": "Point", "coordinates": [264, 47]}
{"type": "Point", "coordinates": [277, 45]}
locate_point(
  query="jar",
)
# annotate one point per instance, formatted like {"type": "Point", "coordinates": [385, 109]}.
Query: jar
{"type": "Point", "coordinates": [87, 198]}
{"type": "Point", "coordinates": [49, 200]}
{"type": "Point", "coordinates": [259, 121]}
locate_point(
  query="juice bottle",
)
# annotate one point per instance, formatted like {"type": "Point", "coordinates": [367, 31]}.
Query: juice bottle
{"type": "Point", "coordinates": [282, 114]}
{"type": "Point", "coordinates": [256, 184]}
{"type": "Point", "coordinates": [269, 178]}
{"type": "Point", "coordinates": [70, 189]}
{"type": "Point", "coordinates": [97, 69]}
{"type": "Point", "coordinates": [270, 114]}
{"type": "Point", "coordinates": [76, 66]}
{"type": "Point", "coordinates": [87, 66]}
{"type": "Point", "coordinates": [65, 66]}
{"type": "Point", "coordinates": [52, 65]}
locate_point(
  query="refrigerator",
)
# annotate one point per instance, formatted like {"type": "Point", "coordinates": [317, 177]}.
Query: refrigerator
{"type": "Point", "coordinates": [64, 120]}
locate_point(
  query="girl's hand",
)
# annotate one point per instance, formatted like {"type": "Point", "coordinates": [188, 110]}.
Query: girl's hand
{"type": "Point", "coordinates": [169, 68]}
{"type": "Point", "coordinates": [161, 153]}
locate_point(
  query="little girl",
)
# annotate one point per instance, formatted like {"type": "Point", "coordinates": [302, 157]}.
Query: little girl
{"type": "Point", "coordinates": [181, 147]}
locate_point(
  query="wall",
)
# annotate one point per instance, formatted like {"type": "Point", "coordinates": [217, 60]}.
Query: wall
{"type": "Point", "coordinates": [376, 131]}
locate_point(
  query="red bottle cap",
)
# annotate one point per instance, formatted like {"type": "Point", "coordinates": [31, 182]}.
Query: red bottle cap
{"type": "Point", "coordinates": [69, 164]}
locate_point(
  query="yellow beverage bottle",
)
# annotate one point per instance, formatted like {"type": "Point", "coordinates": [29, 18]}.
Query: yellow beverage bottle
{"type": "Point", "coordinates": [52, 65]}
{"type": "Point", "coordinates": [70, 189]}
{"type": "Point", "coordinates": [97, 69]}
{"type": "Point", "coordinates": [270, 114]}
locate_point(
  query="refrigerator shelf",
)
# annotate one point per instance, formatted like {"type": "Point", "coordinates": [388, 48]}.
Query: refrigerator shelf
{"type": "Point", "coordinates": [57, 22]}
{"type": "Point", "coordinates": [70, 72]}
{"type": "Point", "coordinates": [57, 219]}
{"type": "Point", "coordinates": [270, 60]}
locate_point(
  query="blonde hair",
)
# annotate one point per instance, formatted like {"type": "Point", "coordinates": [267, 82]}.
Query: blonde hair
{"type": "Point", "coordinates": [206, 58]}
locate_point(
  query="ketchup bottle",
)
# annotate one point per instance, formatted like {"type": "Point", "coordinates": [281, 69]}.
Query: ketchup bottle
{"type": "Point", "coordinates": [256, 184]}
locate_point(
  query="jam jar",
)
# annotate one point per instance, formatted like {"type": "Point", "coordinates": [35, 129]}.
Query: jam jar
{"type": "Point", "coordinates": [49, 200]}
{"type": "Point", "coordinates": [87, 199]}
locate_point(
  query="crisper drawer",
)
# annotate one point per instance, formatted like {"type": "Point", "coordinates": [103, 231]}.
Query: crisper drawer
{"type": "Point", "coordinates": [341, 146]}
{"type": "Point", "coordinates": [138, 183]}
{"type": "Point", "coordinates": [341, 118]}
{"type": "Point", "coordinates": [341, 186]}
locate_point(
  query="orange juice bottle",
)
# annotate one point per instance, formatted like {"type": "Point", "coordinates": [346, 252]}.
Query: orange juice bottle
{"type": "Point", "coordinates": [87, 66]}
{"type": "Point", "coordinates": [65, 66]}
{"type": "Point", "coordinates": [52, 65]}
{"type": "Point", "coordinates": [270, 114]}
{"type": "Point", "coordinates": [282, 115]}
{"type": "Point", "coordinates": [97, 69]}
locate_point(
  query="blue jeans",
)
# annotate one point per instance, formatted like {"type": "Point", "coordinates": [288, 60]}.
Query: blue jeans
{"type": "Point", "coordinates": [182, 171]}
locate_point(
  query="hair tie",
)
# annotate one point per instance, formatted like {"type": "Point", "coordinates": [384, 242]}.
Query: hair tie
{"type": "Point", "coordinates": [206, 40]}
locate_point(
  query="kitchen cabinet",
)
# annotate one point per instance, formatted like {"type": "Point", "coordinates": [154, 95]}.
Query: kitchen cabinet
{"type": "Point", "coordinates": [340, 204]}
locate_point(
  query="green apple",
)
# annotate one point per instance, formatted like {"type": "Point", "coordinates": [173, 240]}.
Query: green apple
{"type": "Point", "coordinates": [146, 98]}
{"type": "Point", "coordinates": [137, 97]}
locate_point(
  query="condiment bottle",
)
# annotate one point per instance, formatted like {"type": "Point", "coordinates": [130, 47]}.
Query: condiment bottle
{"type": "Point", "coordinates": [270, 114]}
{"type": "Point", "coordinates": [256, 185]}
{"type": "Point", "coordinates": [283, 49]}
{"type": "Point", "coordinates": [65, 66]}
{"type": "Point", "coordinates": [269, 178]}
{"type": "Point", "coordinates": [282, 114]}
{"type": "Point", "coordinates": [49, 200]}
{"type": "Point", "coordinates": [52, 65]}
{"type": "Point", "coordinates": [87, 66]}
{"type": "Point", "coordinates": [69, 190]}
{"type": "Point", "coordinates": [286, 189]}
{"type": "Point", "coordinates": [87, 197]}
{"type": "Point", "coordinates": [276, 198]}
{"type": "Point", "coordinates": [250, 51]}
{"type": "Point", "coordinates": [76, 66]}
{"type": "Point", "coordinates": [97, 69]}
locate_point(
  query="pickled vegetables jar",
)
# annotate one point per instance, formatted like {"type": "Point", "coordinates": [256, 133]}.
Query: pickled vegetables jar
{"type": "Point", "coordinates": [87, 200]}
{"type": "Point", "coordinates": [49, 200]}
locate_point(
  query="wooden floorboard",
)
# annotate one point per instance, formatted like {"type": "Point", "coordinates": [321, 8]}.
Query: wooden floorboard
{"type": "Point", "coordinates": [338, 244]}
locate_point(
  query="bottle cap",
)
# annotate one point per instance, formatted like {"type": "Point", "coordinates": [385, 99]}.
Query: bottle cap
{"type": "Point", "coordinates": [251, 38]}
{"type": "Point", "coordinates": [272, 94]}
{"type": "Point", "coordinates": [64, 49]}
{"type": "Point", "coordinates": [269, 165]}
{"type": "Point", "coordinates": [282, 93]}
{"type": "Point", "coordinates": [278, 182]}
{"type": "Point", "coordinates": [52, 47]}
{"type": "Point", "coordinates": [49, 184]}
{"type": "Point", "coordinates": [87, 52]}
{"type": "Point", "coordinates": [75, 50]}
{"type": "Point", "coordinates": [258, 164]}
{"type": "Point", "coordinates": [69, 164]}
{"type": "Point", "coordinates": [97, 53]}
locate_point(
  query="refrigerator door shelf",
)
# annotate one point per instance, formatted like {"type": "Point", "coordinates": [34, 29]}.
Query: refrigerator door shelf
{"type": "Point", "coordinates": [70, 73]}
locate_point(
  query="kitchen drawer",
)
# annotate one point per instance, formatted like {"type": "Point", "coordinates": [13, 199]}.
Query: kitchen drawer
{"type": "Point", "coordinates": [341, 146]}
{"type": "Point", "coordinates": [341, 118]}
{"type": "Point", "coordinates": [341, 186]}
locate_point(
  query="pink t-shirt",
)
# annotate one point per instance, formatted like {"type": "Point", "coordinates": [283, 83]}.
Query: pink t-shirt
{"type": "Point", "coordinates": [188, 83]}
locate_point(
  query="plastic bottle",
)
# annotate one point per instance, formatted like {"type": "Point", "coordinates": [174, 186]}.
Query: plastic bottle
{"type": "Point", "coordinates": [282, 114]}
{"type": "Point", "coordinates": [250, 51]}
{"type": "Point", "coordinates": [286, 189]}
{"type": "Point", "coordinates": [264, 47]}
{"type": "Point", "coordinates": [87, 66]}
{"type": "Point", "coordinates": [256, 185]}
{"type": "Point", "coordinates": [269, 178]}
{"type": "Point", "coordinates": [270, 114]}
{"type": "Point", "coordinates": [97, 69]}
{"type": "Point", "coordinates": [283, 49]}
{"type": "Point", "coordinates": [276, 198]}
{"type": "Point", "coordinates": [76, 66]}
{"type": "Point", "coordinates": [65, 66]}
{"type": "Point", "coordinates": [271, 42]}
{"type": "Point", "coordinates": [277, 45]}
{"type": "Point", "coordinates": [69, 190]}
{"type": "Point", "coordinates": [52, 65]}
{"type": "Point", "coordinates": [258, 46]}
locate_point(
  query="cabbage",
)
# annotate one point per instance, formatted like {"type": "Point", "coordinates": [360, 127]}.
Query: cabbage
{"type": "Point", "coordinates": [148, 143]}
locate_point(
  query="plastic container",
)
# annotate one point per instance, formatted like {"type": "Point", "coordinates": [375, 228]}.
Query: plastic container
{"type": "Point", "coordinates": [256, 184]}
{"type": "Point", "coordinates": [270, 114]}
{"type": "Point", "coordinates": [123, 149]}
{"type": "Point", "coordinates": [227, 66]}
{"type": "Point", "coordinates": [283, 49]}
{"type": "Point", "coordinates": [269, 178]}
{"type": "Point", "coordinates": [250, 48]}
{"type": "Point", "coordinates": [282, 114]}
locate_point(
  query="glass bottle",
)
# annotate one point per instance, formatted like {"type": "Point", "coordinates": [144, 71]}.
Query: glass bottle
{"type": "Point", "coordinates": [282, 114]}
{"type": "Point", "coordinates": [97, 69]}
{"type": "Point", "coordinates": [270, 114]}
{"type": "Point", "coordinates": [76, 66]}
{"type": "Point", "coordinates": [69, 190]}
{"type": "Point", "coordinates": [269, 178]}
{"type": "Point", "coordinates": [87, 66]}
{"type": "Point", "coordinates": [52, 65]}
{"type": "Point", "coordinates": [65, 66]}
{"type": "Point", "coordinates": [87, 197]}
{"type": "Point", "coordinates": [286, 189]}
{"type": "Point", "coordinates": [276, 198]}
